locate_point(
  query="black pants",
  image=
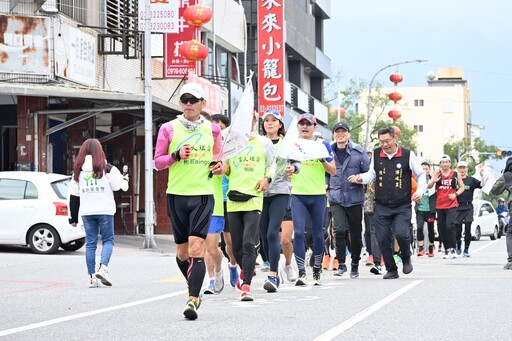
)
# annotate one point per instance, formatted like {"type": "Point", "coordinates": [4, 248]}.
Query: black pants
{"type": "Point", "coordinates": [245, 235]}
{"type": "Point", "coordinates": [425, 217]}
{"type": "Point", "coordinates": [445, 223]}
{"type": "Point", "coordinates": [348, 219]}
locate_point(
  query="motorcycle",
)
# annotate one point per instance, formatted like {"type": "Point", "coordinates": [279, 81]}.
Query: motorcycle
{"type": "Point", "coordinates": [504, 219]}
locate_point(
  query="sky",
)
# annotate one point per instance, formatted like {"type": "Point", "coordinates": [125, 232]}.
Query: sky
{"type": "Point", "coordinates": [362, 36]}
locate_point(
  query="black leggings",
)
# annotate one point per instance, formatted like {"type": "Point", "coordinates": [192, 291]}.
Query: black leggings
{"type": "Point", "coordinates": [274, 208]}
{"type": "Point", "coordinates": [246, 240]}
{"type": "Point", "coordinates": [445, 223]}
{"type": "Point", "coordinates": [421, 218]}
{"type": "Point", "coordinates": [467, 234]}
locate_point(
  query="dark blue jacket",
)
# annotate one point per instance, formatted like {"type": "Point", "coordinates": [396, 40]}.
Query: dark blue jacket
{"type": "Point", "coordinates": [341, 191]}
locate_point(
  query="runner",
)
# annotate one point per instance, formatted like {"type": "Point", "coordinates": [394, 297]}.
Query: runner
{"type": "Point", "coordinates": [308, 197]}
{"type": "Point", "coordinates": [275, 202]}
{"type": "Point", "coordinates": [186, 146]}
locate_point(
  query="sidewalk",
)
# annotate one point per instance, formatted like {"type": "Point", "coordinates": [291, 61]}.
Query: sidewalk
{"type": "Point", "coordinates": [164, 242]}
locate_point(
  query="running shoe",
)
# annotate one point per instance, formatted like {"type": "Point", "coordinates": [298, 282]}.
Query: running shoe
{"type": "Point", "coordinates": [369, 261]}
{"type": "Point", "coordinates": [326, 262]}
{"type": "Point", "coordinates": [233, 274]}
{"type": "Point", "coordinates": [316, 278]}
{"type": "Point", "coordinates": [407, 266]}
{"type": "Point", "coordinates": [508, 266]}
{"type": "Point", "coordinates": [335, 264]}
{"type": "Point", "coordinates": [458, 250]}
{"type": "Point", "coordinates": [446, 254]}
{"type": "Point", "coordinates": [191, 307]}
{"type": "Point", "coordinates": [246, 294]}
{"type": "Point", "coordinates": [421, 251]}
{"type": "Point", "coordinates": [354, 271]}
{"type": "Point", "coordinates": [219, 282]}
{"type": "Point", "coordinates": [431, 251]}
{"type": "Point", "coordinates": [466, 253]}
{"type": "Point", "coordinates": [341, 270]}
{"type": "Point", "coordinates": [265, 267]}
{"type": "Point", "coordinates": [271, 283]}
{"type": "Point", "coordinates": [102, 275]}
{"type": "Point", "coordinates": [210, 289]}
{"type": "Point", "coordinates": [453, 254]}
{"type": "Point", "coordinates": [301, 281]}
{"type": "Point", "coordinates": [291, 274]}
{"type": "Point", "coordinates": [94, 282]}
{"type": "Point", "coordinates": [376, 269]}
{"type": "Point", "coordinates": [393, 274]}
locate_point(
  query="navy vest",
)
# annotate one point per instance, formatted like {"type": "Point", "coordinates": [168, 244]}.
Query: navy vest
{"type": "Point", "coordinates": [393, 184]}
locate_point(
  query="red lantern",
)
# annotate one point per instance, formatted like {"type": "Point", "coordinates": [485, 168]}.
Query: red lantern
{"type": "Point", "coordinates": [197, 15]}
{"type": "Point", "coordinates": [397, 131]}
{"type": "Point", "coordinates": [340, 111]}
{"type": "Point", "coordinates": [394, 114]}
{"type": "Point", "coordinates": [395, 96]}
{"type": "Point", "coordinates": [396, 78]}
{"type": "Point", "coordinates": [193, 50]}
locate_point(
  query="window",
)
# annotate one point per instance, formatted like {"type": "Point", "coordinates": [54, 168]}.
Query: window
{"type": "Point", "coordinates": [17, 190]}
{"type": "Point", "coordinates": [76, 9]}
{"type": "Point", "coordinates": [418, 102]}
{"type": "Point", "coordinates": [418, 128]}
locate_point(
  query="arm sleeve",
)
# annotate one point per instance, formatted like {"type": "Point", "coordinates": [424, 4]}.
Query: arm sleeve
{"type": "Point", "coordinates": [162, 158]}
{"type": "Point", "coordinates": [369, 176]}
{"type": "Point", "coordinates": [217, 141]}
{"type": "Point", "coordinates": [418, 171]}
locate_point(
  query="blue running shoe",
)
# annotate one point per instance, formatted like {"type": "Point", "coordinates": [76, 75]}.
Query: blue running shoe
{"type": "Point", "coordinates": [233, 275]}
{"type": "Point", "coordinates": [466, 253]}
{"type": "Point", "coordinates": [272, 283]}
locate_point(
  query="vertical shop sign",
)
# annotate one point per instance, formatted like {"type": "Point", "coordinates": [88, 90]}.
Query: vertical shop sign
{"type": "Point", "coordinates": [271, 56]}
{"type": "Point", "coordinates": [175, 66]}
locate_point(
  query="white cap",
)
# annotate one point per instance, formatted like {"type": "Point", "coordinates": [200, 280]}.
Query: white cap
{"type": "Point", "coordinates": [445, 158]}
{"type": "Point", "coordinates": [462, 164]}
{"type": "Point", "coordinates": [194, 89]}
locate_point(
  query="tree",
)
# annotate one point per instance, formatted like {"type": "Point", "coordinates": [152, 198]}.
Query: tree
{"type": "Point", "coordinates": [351, 103]}
{"type": "Point", "coordinates": [474, 151]}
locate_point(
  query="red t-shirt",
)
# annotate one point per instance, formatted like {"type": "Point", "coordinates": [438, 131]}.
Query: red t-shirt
{"type": "Point", "coordinates": [444, 187]}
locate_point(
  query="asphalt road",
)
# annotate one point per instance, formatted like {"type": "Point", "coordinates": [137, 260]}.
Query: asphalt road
{"type": "Point", "coordinates": [47, 298]}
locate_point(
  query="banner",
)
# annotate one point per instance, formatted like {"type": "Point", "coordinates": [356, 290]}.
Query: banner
{"type": "Point", "coordinates": [271, 56]}
{"type": "Point", "coordinates": [24, 45]}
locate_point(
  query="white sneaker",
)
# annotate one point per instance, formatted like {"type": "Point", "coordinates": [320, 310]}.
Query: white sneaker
{"type": "Point", "coordinates": [102, 275]}
{"type": "Point", "coordinates": [291, 274]}
{"type": "Point", "coordinates": [219, 282]}
{"type": "Point", "coordinates": [453, 254]}
{"type": "Point", "coordinates": [94, 282]}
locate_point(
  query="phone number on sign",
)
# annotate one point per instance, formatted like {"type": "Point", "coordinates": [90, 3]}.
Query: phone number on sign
{"type": "Point", "coordinates": [157, 14]}
{"type": "Point", "coordinates": [157, 26]}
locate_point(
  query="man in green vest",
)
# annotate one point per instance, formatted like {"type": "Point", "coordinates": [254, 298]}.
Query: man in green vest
{"type": "Point", "coordinates": [186, 146]}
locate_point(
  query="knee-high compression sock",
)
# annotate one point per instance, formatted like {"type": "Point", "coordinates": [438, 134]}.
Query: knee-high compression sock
{"type": "Point", "coordinates": [196, 272]}
{"type": "Point", "coordinates": [183, 266]}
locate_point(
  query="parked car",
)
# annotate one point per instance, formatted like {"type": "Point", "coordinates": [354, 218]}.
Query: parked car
{"type": "Point", "coordinates": [34, 212]}
{"type": "Point", "coordinates": [485, 220]}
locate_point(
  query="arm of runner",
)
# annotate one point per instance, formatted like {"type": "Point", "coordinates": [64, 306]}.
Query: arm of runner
{"type": "Point", "coordinates": [162, 157]}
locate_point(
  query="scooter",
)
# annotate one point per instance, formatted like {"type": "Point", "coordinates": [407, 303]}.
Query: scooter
{"type": "Point", "coordinates": [504, 220]}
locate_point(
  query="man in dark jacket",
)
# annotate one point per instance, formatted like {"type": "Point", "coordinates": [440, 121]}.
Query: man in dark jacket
{"type": "Point", "coordinates": [503, 183]}
{"type": "Point", "coordinates": [347, 198]}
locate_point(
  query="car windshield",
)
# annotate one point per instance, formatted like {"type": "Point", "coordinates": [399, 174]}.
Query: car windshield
{"type": "Point", "coordinates": [61, 188]}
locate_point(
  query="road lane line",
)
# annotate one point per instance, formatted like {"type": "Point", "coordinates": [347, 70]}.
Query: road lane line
{"type": "Point", "coordinates": [88, 313]}
{"type": "Point", "coordinates": [483, 247]}
{"type": "Point", "coordinates": [342, 327]}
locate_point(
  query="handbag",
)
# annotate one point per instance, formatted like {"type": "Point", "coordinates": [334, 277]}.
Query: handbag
{"type": "Point", "coordinates": [239, 196]}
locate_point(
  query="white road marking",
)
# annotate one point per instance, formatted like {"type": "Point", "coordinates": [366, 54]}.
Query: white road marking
{"type": "Point", "coordinates": [483, 247]}
{"type": "Point", "coordinates": [88, 313]}
{"type": "Point", "coordinates": [342, 327]}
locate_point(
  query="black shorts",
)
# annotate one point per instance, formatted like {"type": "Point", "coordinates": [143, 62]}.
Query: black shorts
{"type": "Point", "coordinates": [226, 220]}
{"type": "Point", "coordinates": [464, 216]}
{"type": "Point", "coordinates": [190, 215]}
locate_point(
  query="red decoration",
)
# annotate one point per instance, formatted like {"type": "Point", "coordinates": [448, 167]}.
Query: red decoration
{"type": "Point", "coordinates": [197, 15]}
{"type": "Point", "coordinates": [193, 50]}
{"type": "Point", "coordinates": [341, 111]}
{"type": "Point", "coordinates": [394, 114]}
{"type": "Point", "coordinates": [397, 131]}
{"type": "Point", "coordinates": [395, 96]}
{"type": "Point", "coordinates": [396, 78]}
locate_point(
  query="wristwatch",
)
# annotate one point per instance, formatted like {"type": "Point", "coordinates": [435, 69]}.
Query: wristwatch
{"type": "Point", "coordinates": [269, 179]}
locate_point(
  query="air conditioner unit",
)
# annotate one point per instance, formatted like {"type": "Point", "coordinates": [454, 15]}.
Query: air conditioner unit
{"type": "Point", "coordinates": [47, 6]}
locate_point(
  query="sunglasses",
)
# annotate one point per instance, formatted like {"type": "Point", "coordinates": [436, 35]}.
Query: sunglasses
{"type": "Point", "coordinates": [305, 123]}
{"type": "Point", "coordinates": [191, 100]}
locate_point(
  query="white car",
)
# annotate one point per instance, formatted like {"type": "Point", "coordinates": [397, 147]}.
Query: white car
{"type": "Point", "coordinates": [485, 220]}
{"type": "Point", "coordinates": [34, 212]}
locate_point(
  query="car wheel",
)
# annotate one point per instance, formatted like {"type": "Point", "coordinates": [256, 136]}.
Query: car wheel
{"type": "Point", "coordinates": [43, 239]}
{"type": "Point", "coordinates": [74, 245]}
{"type": "Point", "coordinates": [494, 235]}
{"type": "Point", "coordinates": [477, 234]}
